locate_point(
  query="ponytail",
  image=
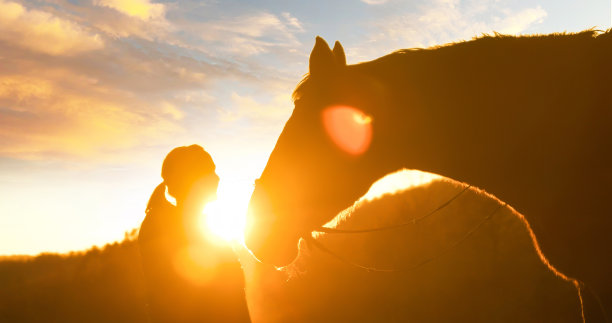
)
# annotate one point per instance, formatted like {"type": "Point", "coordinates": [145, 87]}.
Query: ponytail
{"type": "Point", "coordinates": [158, 198]}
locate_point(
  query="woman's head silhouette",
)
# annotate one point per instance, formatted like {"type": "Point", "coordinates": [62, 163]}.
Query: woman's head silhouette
{"type": "Point", "coordinates": [189, 174]}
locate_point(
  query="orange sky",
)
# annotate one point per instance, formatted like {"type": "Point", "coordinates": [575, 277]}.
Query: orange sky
{"type": "Point", "coordinates": [93, 94]}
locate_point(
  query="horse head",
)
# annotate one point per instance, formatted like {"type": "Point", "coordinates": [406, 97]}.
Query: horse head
{"type": "Point", "coordinates": [324, 157]}
{"type": "Point", "coordinates": [524, 118]}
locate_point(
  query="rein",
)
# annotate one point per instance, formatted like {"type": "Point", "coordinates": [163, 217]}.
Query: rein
{"type": "Point", "coordinates": [310, 240]}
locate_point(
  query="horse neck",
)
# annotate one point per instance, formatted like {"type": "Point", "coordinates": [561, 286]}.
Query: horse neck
{"type": "Point", "coordinates": [450, 119]}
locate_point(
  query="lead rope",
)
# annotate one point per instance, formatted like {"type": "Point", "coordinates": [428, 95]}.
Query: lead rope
{"type": "Point", "coordinates": [310, 240]}
{"type": "Point", "coordinates": [394, 226]}
{"type": "Point", "coordinates": [588, 288]}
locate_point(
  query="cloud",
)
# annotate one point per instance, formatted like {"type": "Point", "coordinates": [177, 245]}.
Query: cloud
{"type": "Point", "coordinates": [374, 2]}
{"type": "Point", "coordinates": [142, 9]}
{"type": "Point", "coordinates": [444, 21]}
{"type": "Point", "coordinates": [172, 110]}
{"type": "Point", "coordinates": [293, 21]}
{"type": "Point", "coordinates": [114, 19]}
{"type": "Point", "coordinates": [252, 34]}
{"type": "Point", "coordinates": [126, 96]}
{"type": "Point", "coordinates": [121, 99]}
{"type": "Point", "coordinates": [42, 120]}
{"type": "Point", "coordinates": [520, 21]}
{"type": "Point", "coordinates": [43, 32]}
{"type": "Point", "coordinates": [143, 84]}
{"type": "Point", "coordinates": [268, 112]}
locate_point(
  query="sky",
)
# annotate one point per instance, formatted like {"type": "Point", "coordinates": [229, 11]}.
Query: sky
{"type": "Point", "coordinates": [95, 93]}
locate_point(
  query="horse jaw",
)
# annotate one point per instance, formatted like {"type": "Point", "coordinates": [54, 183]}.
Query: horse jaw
{"type": "Point", "coordinates": [269, 239]}
{"type": "Point", "coordinates": [277, 221]}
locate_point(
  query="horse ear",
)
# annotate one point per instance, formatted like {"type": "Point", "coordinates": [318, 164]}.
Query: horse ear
{"type": "Point", "coordinates": [322, 59]}
{"type": "Point", "coordinates": [339, 54]}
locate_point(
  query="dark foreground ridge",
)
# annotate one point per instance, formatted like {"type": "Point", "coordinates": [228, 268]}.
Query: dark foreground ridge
{"type": "Point", "coordinates": [97, 285]}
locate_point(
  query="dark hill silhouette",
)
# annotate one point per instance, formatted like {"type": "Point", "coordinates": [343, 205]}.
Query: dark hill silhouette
{"type": "Point", "coordinates": [98, 285]}
{"type": "Point", "coordinates": [525, 118]}
{"type": "Point", "coordinates": [495, 275]}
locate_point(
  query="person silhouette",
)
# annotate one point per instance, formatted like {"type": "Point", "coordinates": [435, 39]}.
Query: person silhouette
{"type": "Point", "coordinates": [188, 278]}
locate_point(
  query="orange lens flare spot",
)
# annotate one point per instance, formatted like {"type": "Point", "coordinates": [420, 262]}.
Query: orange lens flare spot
{"type": "Point", "coordinates": [197, 264]}
{"type": "Point", "coordinates": [349, 128]}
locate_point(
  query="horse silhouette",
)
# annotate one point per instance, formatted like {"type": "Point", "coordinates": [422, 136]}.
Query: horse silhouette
{"type": "Point", "coordinates": [494, 275]}
{"type": "Point", "coordinates": [525, 118]}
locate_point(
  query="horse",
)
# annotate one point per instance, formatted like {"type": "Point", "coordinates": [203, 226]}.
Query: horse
{"type": "Point", "coordinates": [475, 260]}
{"type": "Point", "coordinates": [524, 118]}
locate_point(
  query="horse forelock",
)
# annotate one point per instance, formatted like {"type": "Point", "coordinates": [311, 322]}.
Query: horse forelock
{"type": "Point", "coordinates": [301, 88]}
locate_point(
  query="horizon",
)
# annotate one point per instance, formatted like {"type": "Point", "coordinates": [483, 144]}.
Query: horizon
{"type": "Point", "coordinates": [90, 109]}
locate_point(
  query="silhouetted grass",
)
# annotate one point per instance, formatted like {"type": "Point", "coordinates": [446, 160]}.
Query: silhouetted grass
{"type": "Point", "coordinates": [97, 285]}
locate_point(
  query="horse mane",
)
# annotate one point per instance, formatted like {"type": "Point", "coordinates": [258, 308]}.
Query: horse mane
{"type": "Point", "coordinates": [478, 40]}
{"type": "Point", "coordinates": [485, 41]}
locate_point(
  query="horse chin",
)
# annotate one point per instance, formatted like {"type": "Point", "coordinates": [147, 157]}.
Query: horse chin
{"type": "Point", "coordinates": [275, 245]}
{"type": "Point", "coordinates": [278, 257]}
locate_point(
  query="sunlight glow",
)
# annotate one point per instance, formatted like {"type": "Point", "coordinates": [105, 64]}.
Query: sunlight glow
{"type": "Point", "coordinates": [225, 218]}
{"type": "Point", "coordinates": [197, 265]}
{"type": "Point", "coordinates": [349, 128]}
{"type": "Point", "coordinates": [398, 181]}
{"type": "Point", "coordinates": [142, 9]}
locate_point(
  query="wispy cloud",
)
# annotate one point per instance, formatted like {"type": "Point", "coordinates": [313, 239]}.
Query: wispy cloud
{"type": "Point", "coordinates": [142, 9]}
{"type": "Point", "coordinates": [293, 21]}
{"type": "Point", "coordinates": [116, 19]}
{"type": "Point", "coordinates": [253, 33]}
{"type": "Point", "coordinates": [516, 23]}
{"type": "Point", "coordinates": [41, 119]}
{"type": "Point", "coordinates": [374, 2]}
{"type": "Point", "coordinates": [43, 32]}
{"type": "Point", "coordinates": [271, 111]}
{"type": "Point", "coordinates": [444, 21]}
{"type": "Point", "coordinates": [80, 79]}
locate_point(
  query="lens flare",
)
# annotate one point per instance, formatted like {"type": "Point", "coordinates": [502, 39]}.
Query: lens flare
{"type": "Point", "coordinates": [349, 128]}
{"type": "Point", "coordinates": [224, 219]}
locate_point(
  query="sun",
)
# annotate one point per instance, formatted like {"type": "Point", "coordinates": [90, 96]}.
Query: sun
{"type": "Point", "coordinates": [225, 218]}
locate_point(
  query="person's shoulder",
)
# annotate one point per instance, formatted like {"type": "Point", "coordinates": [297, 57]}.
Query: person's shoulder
{"type": "Point", "coordinates": [155, 221]}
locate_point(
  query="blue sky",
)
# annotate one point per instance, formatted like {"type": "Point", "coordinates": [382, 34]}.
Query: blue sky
{"type": "Point", "coordinates": [94, 93]}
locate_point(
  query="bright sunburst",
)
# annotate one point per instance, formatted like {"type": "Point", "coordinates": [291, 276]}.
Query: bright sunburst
{"type": "Point", "coordinates": [225, 218]}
